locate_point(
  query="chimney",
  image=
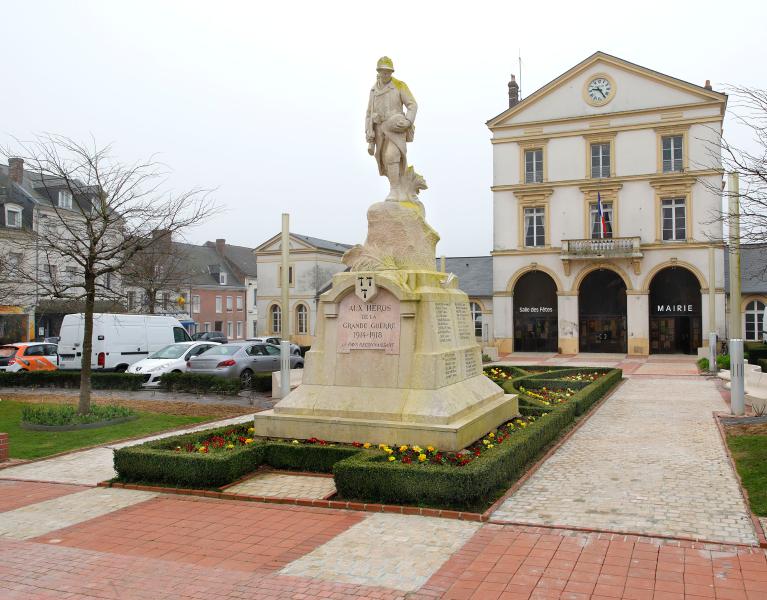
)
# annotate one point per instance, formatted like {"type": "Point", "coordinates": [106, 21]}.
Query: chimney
{"type": "Point", "coordinates": [708, 85]}
{"type": "Point", "coordinates": [16, 169]}
{"type": "Point", "coordinates": [513, 92]}
{"type": "Point", "coordinates": [220, 245]}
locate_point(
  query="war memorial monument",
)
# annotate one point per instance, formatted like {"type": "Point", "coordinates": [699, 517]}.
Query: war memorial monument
{"type": "Point", "coordinates": [395, 358]}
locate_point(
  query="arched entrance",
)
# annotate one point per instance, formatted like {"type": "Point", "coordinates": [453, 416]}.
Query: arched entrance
{"type": "Point", "coordinates": [602, 312]}
{"type": "Point", "coordinates": [535, 313]}
{"type": "Point", "coordinates": [675, 312]}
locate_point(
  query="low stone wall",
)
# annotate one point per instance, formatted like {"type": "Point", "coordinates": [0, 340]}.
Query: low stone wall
{"type": "Point", "coordinates": [4, 447]}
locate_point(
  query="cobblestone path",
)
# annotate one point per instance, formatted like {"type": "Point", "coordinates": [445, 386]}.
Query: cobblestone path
{"type": "Point", "coordinates": [650, 460]}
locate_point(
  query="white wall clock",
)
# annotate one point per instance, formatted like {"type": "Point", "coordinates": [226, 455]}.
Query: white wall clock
{"type": "Point", "coordinates": [599, 89]}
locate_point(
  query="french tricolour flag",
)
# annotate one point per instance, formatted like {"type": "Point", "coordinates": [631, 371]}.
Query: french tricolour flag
{"type": "Point", "coordinates": [601, 217]}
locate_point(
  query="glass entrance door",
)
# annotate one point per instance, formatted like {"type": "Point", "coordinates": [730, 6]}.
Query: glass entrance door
{"type": "Point", "coordinates": [603, 333]}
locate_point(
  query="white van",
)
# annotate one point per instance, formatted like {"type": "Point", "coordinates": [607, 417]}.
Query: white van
{"type": "Point", "coordinates": [118, 340]}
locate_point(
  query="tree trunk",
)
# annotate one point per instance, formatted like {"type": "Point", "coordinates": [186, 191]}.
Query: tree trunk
{"type": "Point", "coordinates": [84, 405]}
{"type": "Point", "coordinates": [151, 300]}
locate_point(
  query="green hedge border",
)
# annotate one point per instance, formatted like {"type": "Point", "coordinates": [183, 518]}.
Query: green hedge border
{"type": "Point", "coordinates": [198, 383]}
{"type": "Point", "coordinates": [71, 379]}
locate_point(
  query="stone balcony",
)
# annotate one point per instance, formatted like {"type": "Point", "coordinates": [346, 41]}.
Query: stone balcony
{"type": "Point", "coordinates": [601, 249]}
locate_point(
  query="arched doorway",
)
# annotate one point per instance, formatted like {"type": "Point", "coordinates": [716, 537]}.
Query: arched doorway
{"type": "Point", "coordinates": [675, 312]}
{"type": "Point", "coordinates": [535, 313]}
{"type": "Point", "coordinates": [602, 312]}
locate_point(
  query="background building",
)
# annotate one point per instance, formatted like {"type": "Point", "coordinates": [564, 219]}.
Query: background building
{"type": "Point", "coordinates": [644, 146]}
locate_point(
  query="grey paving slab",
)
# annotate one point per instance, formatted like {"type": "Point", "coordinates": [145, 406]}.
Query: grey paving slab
{"type": "Point", "coordinates": [650, 460]}
{"type": "Point", "coordinates": [45, 517]}
{"type": "Point", "coordinates": [394, 551]}
{"type": "Point", "coordinates": [89, 467]}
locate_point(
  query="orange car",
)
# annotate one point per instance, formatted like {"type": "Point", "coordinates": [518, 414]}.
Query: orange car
{"type": "Point", "coordinates": [28, 356]}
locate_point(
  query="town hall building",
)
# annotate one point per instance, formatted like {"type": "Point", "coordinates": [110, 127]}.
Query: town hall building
{"type": "Point", "coordinates": [606, 188]}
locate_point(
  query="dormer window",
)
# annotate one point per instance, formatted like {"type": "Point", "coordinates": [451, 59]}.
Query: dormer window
{"type": "Point", "coordinates": [13, 216]}
{"type": "Point", "coordinates": [222, 278]}
{"type": "Point", "coordinates": [65, 199]}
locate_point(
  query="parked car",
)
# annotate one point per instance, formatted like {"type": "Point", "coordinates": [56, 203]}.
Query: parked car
{"type": "Point", "coordinates": [210, 336]}
{"type": "Point", "coordinates": [171, 359]}
{"type": "Point", "coordinates": [28, 356]}
{"type": "Point", "coordinates": [240, 360]}
{"type": "Point", "coordinates": [118, 340]}
{"type": "Point", "coordinates": [275, 341]}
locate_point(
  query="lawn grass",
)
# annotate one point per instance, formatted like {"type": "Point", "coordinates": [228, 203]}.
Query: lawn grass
{"type": "Point", "coordinates": [750, 454]}
{"type": "Point", "coordinates": [36, 444]}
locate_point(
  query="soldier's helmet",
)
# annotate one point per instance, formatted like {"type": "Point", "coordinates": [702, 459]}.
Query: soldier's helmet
{"type": "Point", "coordinates": [384, 63]}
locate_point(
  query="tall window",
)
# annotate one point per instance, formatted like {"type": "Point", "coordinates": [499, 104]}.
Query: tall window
{"type": "Point", "coordinates": [65, 199]}
{"type": "Point", "coordinates": [302, 319]}
{"type": "Point", "coordinates": [596, 225]}
{"type": "Point", "coordinates": [674, 219]}
{"type": "Point", "coordinates": [14, 263]}
{"type": "Point", "coordinates": [239, 330]}
{"type": "Point", "coordinates": [276, 317]}
{"type": "Point", "coordinates": [600, 160]}
{"type": "Point", "coordinates": [534, 229]}
{"type": "Point", "coordinates": [219, 305]}
{"type": "Point", "coordinates": [13, 216]}
{"type": "Point", "coordinates": [291, 281]}
{"type": "Point", "coordinates": [476, 318]}
{"type": "Point", "coordinates": [255, 296]}
{"type": "Point", "coordinates": [229, 329]}
{"type": "Point", "coordinates": [228, 304]}
{"type": "Point", "coordinates": [255, 328]}
{"type": "Point", "coordinates": [206, 326]}
{"type": "Point", "coordinates": [70, 275]}
{"type": "Point", "coordinates": [131, 300]}
{"type": "Point", "coordinates": [534, 166]}
{"type": "Point", "coordinates": [222, 278]}
{"type": "Point", "coordinates": [239, 302]}
{"type": "Point", "coordinates": [50, 273]}
{"type": "Point", "coordinates": [672, 153]}
{"type": "Point", "coordinates": [754, 323]}
{"type": "Point", "coordinates": [195, 303]}
{"type": "Point", "coordinates": [165, 300]}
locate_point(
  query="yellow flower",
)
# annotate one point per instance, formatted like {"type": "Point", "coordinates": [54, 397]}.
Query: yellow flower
{"type": "Point", "coordinates": [523, 424]}
{"type": "Point", "coordinates": [490, 446]}
{"type": "Point", "coordinates": [366, 445]}
{"type": "Point", "coordinates": [248, 440]}
{"type": "Point", "coordinates": [417, 449]}
{"type": "Point", "coordinates": [421, 457]}
{"type": "Point", "coordinates": [251, 429]}
{"type": "Point", "coordinates": [491, 435]}
{"type": "Point", "coordinates": [402, 448]}
{"type": "Point", "coordinates": [391, 458]}
{"type": "Point", "coordinates": [382, 446]}
{"type": "Point", "coordinates": [485, 442]}
{"type": "Point", "coordinates": [203, 449]}
{"type": "Point", "coordinates": [389, 451]}
{"type": "Point", "coordinates": [430, 448]}
{"type": "Point", "coordinates": [230, 446]}
{"type": "Point", "coordinates": [295, 442]}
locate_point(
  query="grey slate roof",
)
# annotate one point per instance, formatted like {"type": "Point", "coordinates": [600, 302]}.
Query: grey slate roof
{"type": "Point", "coordinates": [199, 260]}
{"type": "Point", "coordinates": [753, 269]}
{"type": "Point", "coordinates": [323, 244]}
{"type": "Point", "coordinates": [475, 273]}
{"type": "Point", "coordinates": [241, 257]}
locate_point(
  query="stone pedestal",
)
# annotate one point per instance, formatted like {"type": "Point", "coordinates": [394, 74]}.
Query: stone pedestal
{"type": "Point", "coordinates": [395, 361]}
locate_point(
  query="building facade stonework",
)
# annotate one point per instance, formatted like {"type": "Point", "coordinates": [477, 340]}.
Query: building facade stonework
{"type": "Point", "coordinates": [606, 185]}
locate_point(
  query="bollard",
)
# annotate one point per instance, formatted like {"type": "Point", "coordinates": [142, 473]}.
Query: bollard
{"type": "Point", "coordinates": [737, 382]}
{"type": "Point", "coordinates": [284, 368]}
{"type": "Point", "coordinates": [712, 341]}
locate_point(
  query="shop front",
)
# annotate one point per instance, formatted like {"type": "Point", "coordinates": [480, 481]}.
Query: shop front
{"type": "Point", "coordinates": [602, 313]}
{"type": "Point", "coordinates": [535, 313]}
{"type": "Point", "coordinates": [675, 312]}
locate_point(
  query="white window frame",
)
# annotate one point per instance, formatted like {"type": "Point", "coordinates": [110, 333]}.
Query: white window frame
{"type": "Point", "coordinates": [275, 318]}
{"type": "Point", "coordinates": [65, 199]}
{"type": "Point", "coordinates": [14, 263]}
{"type": "Point", "coordinates": [229, 304]}
{"type": "Point", "coordinates": [534, 175]}
{"type": "Point", "coordinates": [239, 302]}
{"type": "Point", "coordinates": [753, 311]}
{"type": "Point", "coordinates": [16, 210]}
{"type": "Point", "coordinates": [222, 278]}
{"type": "Point", "coordinates": [229, 329]}
{"type": "Point", "coordinates": [206, 326]}
{"type": "Point", "coordinates": [302, 319]}
{"type": "Point", "coordinates": [476, 317]}
{"type": "Point", "coordinates": [607, 209]}
{"type": "Point", "coordinates": [602, 169]}
{"type": "Point", "coordinates": [219, 305]}
{"type": "Point", "coordinates": [673, 204]}
{"type": "Point", "coordinates": [534, 212]}
{"type": "Point", "coordinates": [675, 162]}
{"type": "Point", "coordinates": [195, 303]}
{"type": "Point", "coordinates": [239, 330]}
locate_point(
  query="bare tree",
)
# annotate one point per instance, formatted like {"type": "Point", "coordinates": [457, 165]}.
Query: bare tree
{"type": "Point", "coordinates": [161, 267]}
{"type": "Point", "coordinates": [101, 214]}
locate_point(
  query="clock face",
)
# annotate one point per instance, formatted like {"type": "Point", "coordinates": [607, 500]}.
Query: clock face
{"type": "Point", "coordinates": [599, 90]}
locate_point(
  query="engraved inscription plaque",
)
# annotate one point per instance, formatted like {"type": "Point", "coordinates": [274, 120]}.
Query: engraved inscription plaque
{"type": "Point", "coordinates": [444, 322]}
{"type": "Point", "coordinates": [372, 325]}
{"type": "Point", "coordinates": [451, 367]}
{"type": "Point", "coordinates": [471, 363]}
{"type": "Point", "coordinates": [465, 325]}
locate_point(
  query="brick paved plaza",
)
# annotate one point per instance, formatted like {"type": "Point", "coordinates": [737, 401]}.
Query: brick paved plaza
{"type": "Point", "coordinates": [649, 460]}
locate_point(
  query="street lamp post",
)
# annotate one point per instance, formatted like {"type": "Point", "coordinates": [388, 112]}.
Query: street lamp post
{"type": "Point", "coordinates": [737, 383]}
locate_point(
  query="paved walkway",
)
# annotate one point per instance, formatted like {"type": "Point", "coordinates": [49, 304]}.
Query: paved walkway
{"type": "Point", "coordinates": [654, 365]}
{"type": "Point", "coordinates": [649, 461]}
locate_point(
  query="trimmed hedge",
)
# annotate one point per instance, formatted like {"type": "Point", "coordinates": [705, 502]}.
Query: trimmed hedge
{"type": "Point", "coordinates": [369, 477]}
{"type": "Point", "coordinates": [756, 352]}
{"type": "Point", "coordinates": [71, 379]}
{"type": "Point", "coordinates": [314, 458]}
{"type": "Point", "coordinates": [198, 383]}
{"type": "Point", "coordinates": [763, 364]}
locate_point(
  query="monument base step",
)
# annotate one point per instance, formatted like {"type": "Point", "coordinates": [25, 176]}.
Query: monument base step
{"type": "Point", "coordinates": [450, 437]}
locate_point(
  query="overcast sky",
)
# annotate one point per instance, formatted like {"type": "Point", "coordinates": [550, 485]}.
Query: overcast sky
{"type": "Point", "coordinates": [266, 101]}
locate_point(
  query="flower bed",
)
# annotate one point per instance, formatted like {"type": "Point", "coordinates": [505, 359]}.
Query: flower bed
{"type": "Point", "coordinates": [548, 396]}
{"type": "Point", "coordinates": [591, 376]}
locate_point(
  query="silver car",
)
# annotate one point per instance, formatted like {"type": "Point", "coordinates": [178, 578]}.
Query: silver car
{"type": "Point", "coordinates": [275, 341]}
{"type": "Point", "coordinates": [240, 361]}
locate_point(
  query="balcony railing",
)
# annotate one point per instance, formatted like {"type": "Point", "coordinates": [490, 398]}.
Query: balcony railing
{"type": "Point", "coordinates": [627, 247]}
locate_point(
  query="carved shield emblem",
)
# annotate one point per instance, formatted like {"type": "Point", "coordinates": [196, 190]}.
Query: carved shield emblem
{"type": "Point", "coordinates": [365, 287]}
